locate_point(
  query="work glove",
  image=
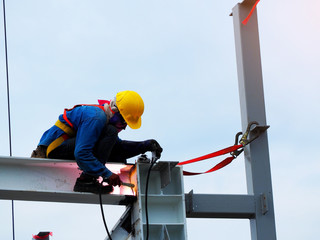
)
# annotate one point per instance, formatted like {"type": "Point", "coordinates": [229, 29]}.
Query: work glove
{"type": "Point", "coordinates": [113, 180]}
{"type": "Point", "coordinates": [154, 146]}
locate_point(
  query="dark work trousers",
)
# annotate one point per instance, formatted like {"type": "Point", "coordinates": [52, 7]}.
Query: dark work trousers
{"type": "Point", "coordinates": [109, 147]}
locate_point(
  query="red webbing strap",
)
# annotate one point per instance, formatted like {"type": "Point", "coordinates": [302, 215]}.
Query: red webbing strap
{"type": "Point", "coordinates": [65, 117]}
{"type": "Point", "coordinates": [79, 105]}
{"type": "Point", "coordinates": [211, 155]}
{"type": "Point", "coordinates": [215, 168]}
{"type": "Point", "coordinates": [220, 165]}
{"type": "Point", "coordinates": [245, 21]}
{"type": "Point", "coordinates": [102, 102]}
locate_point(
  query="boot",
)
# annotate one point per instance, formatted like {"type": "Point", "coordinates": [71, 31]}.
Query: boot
{"type": "Point", "coordinates": [87, 183]}
{"type": "Point", "coordinates": [40, 152]}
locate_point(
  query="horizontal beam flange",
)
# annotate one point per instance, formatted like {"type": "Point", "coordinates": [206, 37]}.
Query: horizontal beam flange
{"type": "Point", "coordinates": [52, 180]}
{"type": "Point", "coordinates": [219, 206]}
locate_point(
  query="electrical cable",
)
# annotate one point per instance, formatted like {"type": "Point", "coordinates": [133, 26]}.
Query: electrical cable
{"type": "Point", "coordinates": [102, 214]}
{"type": "Point", "coordinates": [7, 71]}
{"type": "Point", "coordinates": [12, 213]}
{"type": "Point", "coordinates": [146, 196]}
{"type": "Point", "coordinates": [8, 100]}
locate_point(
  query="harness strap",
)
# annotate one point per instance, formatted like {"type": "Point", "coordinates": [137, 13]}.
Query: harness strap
{"type": "Point", "coordinates": [215, 168]}
{"type": "Point", "coordinates": [79, 105]}
{"type": "Point", "coordinates": [234, 150]}
{"type": "Point", "coordinates": [69, 131]}
{"type": "Point", "coordinates": [65, 117]}
{"type": "Point", "coordinates": [211, 155]}
{"type": "Point", "coordinates": [222, 164]}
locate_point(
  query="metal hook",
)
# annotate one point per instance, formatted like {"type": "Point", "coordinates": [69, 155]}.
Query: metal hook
{"type": "Point", "coordinates": [236, 153]}
{"type": "Point", "coordinates": [237, 138]}
{"type": "Point", "coordinates": [256, 132]}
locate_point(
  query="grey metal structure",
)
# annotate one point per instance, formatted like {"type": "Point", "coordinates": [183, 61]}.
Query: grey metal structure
{"type": "Point", "coordinates": [52, 180]}
{"type": "Point", "coordinates": [252, 105]}
{"type": "Point", "coordinates": [258, 204]}
{"type": "Point", "coordinates": [166, 204]}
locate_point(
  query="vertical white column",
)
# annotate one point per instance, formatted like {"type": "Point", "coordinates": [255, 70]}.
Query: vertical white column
{"type": "Point", "coordinates": [166, 204]}
{"type": "Point", "coordinates": [253, 109]}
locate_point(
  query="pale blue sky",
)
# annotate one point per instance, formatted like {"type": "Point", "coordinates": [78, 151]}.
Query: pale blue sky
{"type": "Point", "coordinates": [180, 56]}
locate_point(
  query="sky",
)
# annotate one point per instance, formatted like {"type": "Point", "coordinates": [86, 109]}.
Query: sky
{"type": "Point", "coordinates": [180, 57]}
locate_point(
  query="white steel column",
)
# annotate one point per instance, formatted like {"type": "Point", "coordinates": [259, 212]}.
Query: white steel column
{"type": "Point", "coordinates": [166, 205]}
{"type": "Point", "coordinates": [253, 109]}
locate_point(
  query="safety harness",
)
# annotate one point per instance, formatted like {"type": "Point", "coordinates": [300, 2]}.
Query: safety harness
{"type": "Point", "coordinates": [69, 131]}
{"type": "Point", "coordinates": [234, 150]}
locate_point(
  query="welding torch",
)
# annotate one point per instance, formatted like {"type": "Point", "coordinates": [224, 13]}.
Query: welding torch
{"type": "Point", "coordinates": [130, 185]}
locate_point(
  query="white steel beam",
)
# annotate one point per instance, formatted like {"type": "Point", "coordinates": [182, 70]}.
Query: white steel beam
{"type": "Point", "coordinates": [220, 206]}
{"type": "Point", "coordinates": [252, 105]}
{"type": "Point", "coordinates": [52, 180]}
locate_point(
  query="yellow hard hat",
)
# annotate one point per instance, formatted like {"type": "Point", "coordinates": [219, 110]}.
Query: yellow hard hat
{"type": "Point", "coordinates": [131, 107]}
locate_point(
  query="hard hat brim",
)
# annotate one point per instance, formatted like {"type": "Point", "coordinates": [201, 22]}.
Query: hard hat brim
{"type": "Point", "coordinates": [133, 125]}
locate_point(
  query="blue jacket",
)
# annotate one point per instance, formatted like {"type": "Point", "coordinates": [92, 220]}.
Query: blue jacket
{"type": "Point", "coordinates": [88, 123]}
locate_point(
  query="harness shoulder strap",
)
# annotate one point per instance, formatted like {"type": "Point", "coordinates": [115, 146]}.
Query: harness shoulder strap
{"type": "Point", "coordinates": [68, 130]}
{"type": "Point", "coordinates": [78, 105]}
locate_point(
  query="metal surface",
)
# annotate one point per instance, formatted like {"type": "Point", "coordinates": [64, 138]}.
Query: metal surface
{"type": "Point", "coordinates": [166, 205]}
{"type": "Point", "coordinates": [164, 233]}
{"type": "Point", "coordinates": [50, 180]}
{"type": "Point", "coordinates": [123, 229]}
{"type": "Point", "coordinates": [165, 171]}
{"type": "Point", "coordinates": [252, 105]}
{"type": "Point", "coordinates": [219, 206]}
{"type": "Point", "coordinates": [264, 203]}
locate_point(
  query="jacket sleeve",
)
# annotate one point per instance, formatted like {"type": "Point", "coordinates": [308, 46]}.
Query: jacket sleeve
{"type": "Point", "coordinates": [88, 133]}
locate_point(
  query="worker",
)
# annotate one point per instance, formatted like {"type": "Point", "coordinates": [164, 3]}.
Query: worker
{"type": "Point", "coordinates": [89, 134]}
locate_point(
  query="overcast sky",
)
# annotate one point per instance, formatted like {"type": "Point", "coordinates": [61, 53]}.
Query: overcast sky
{"type": "Point", "coordinates": [180, 57]}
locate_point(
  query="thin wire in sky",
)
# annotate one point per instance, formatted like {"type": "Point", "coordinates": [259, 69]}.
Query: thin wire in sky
{"type": "Point", "coordinates": [8, 100]}
{"type": "Point", "coordinates": [7, 73]}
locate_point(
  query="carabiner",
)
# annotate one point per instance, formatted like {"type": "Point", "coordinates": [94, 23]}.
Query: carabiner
{"type": "Point", "coordinates": [244, 140]}
{"type": "Point", "coordinates": [237, 152]}
{"type": "Point", "coordinates": [255, 132]}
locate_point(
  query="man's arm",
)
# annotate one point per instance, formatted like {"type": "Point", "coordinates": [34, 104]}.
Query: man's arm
{"type": "Point", "coordinates": [88, 133]}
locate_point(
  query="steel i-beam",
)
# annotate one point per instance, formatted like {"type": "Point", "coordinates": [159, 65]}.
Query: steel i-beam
{"type": "Point", "coordinates": [252, 105]}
